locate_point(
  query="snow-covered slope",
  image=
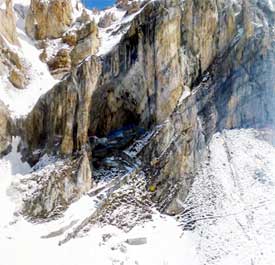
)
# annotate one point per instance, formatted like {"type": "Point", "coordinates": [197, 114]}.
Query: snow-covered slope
{"type": "Point", "coordinates": [23, 242]}
{"type": "Point", "coordinates": [231, 204]}
{"type": "Point", "coordinates": [229, 210]}
{"type": "Point", "coordinates": [20, 102]}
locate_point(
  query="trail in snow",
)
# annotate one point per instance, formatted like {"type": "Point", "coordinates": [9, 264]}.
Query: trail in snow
{"type": "Point", "coordinates": [231, 204]}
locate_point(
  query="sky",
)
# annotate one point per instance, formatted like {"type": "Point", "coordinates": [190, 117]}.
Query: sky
{"type": "Point", "coordinates": [100, 4]}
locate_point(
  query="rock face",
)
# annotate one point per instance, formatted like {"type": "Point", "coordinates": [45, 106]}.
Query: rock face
{"type": "Point", "coordinates": [236, 91]}
{"type": "Point", "coordinates": [10, 62]}
{"type": "Point", "coordinates": [5, 129]}
{"type": "Point", "coordinates": [62, 118]}
{"type": "Point", "coordinates": [77, 44]}
{"type": "Point", "coordinates": [58, 188]}
{"type": "Point", "coordinates": [134, 84]}
{"type": "Point", "coordinates": [87, 43]}
{"type": "Point", "coordinates": [61, 63]}
{"type": "Point", "coordinates": [7, 23]}
{"type": "Point", "coordinates": [194, 67]}
{"type": "Point", "coordinates": [48, 19]}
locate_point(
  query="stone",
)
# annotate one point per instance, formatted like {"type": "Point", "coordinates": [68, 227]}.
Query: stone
{"type": "Point", "coordinates": [17, 78]}
{"type": "Point", "coordinates": [65, 110]}
{"type": "Point", "coordinates": [12, 65]}
{"type": "Point", "coordinates": [43, 56]}
{"type": "Point", "coordinates": [136, 241]}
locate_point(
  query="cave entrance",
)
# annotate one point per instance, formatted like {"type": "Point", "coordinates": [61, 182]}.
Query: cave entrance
{"type": "Point", "coordinates": [115, 125]}
{"type": "Point", "coordinates": [110, 157]}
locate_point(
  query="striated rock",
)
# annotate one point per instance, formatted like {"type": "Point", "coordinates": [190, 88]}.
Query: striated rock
{"type": "Point", "coordinates": [236, 92]}
{"type": "Point", "coordinates": [8, 23]}
{"type": "Point", "coordinates": [144, 76]}
{"type": "Point", "coordinates": [61, 119]}
{"type": "Point", "coordinates": [87, 43]}
{"type": "Point", "coordinates": [48, 19]}
{"type": "Point", "coordinates": [56, 187]}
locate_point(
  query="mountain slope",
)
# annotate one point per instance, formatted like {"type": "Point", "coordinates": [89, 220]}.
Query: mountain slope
{"type": "Point", "coordinates": [112, 119]}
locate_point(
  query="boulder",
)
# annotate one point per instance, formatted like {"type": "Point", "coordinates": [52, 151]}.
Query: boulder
{"type": "Point", "coordinates": [17, 78]}
{"type": "Point", "coordinates": [12, 65]}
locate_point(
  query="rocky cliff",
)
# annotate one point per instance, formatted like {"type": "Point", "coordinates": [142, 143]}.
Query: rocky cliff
{"type": "Point", "coordinates": [195, 67]}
